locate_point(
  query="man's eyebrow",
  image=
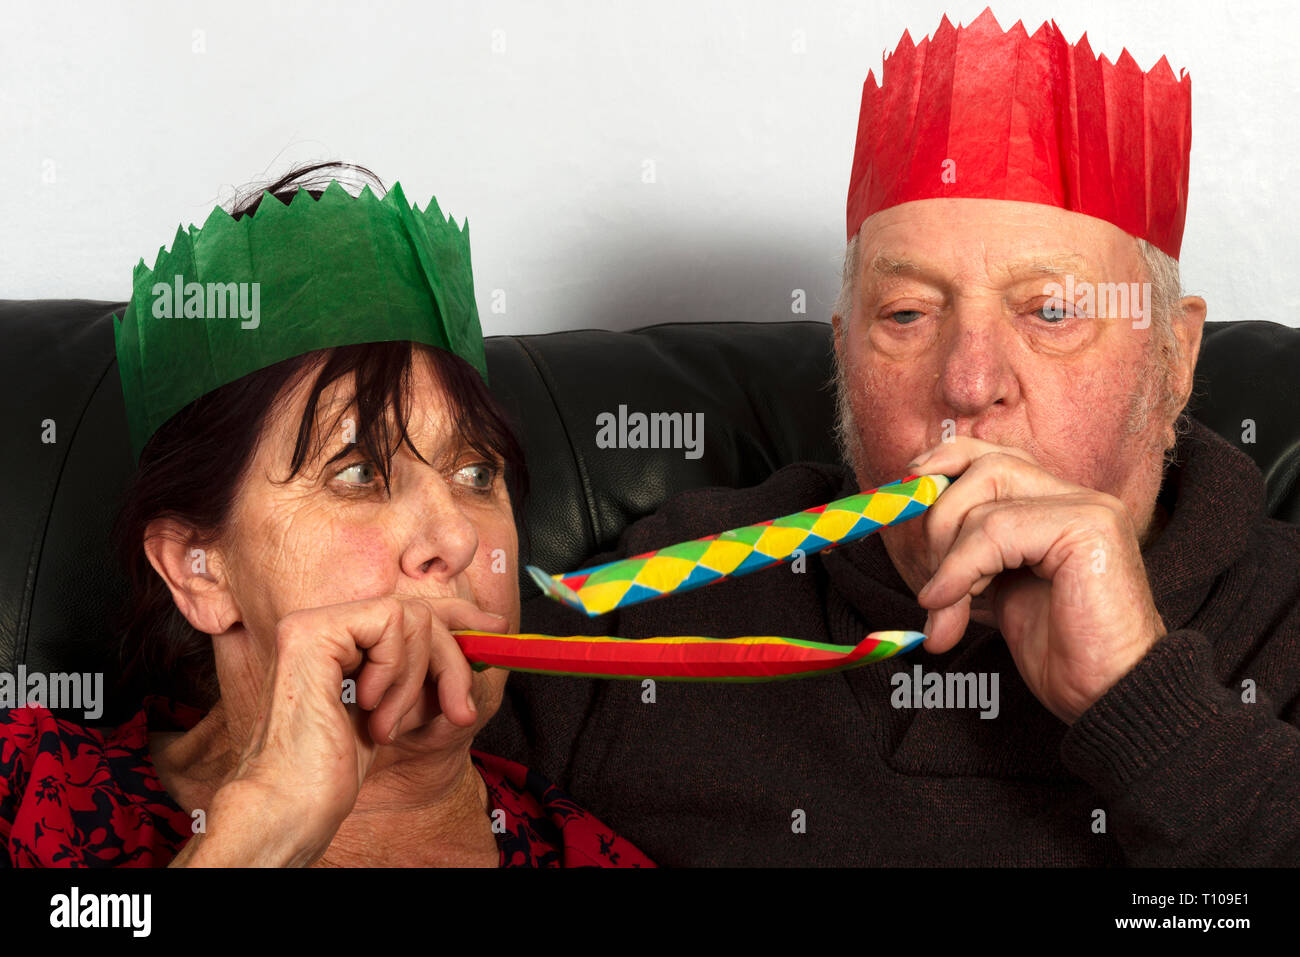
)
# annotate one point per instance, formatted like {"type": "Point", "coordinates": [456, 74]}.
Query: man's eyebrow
{"type": "Point", "coordinates": [1055, 266]}
{"type": "Point", "coordinates": [883, 264]}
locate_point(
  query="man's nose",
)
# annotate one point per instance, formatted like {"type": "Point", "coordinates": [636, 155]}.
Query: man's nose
{"type": "Point", "coordinates": [443, 537]}
{"type": "Point", "coordinates": [975, 371]}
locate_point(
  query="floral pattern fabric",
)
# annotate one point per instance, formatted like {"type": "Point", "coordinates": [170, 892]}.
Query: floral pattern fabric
{"type": "Point", "coordinates": [72, 796]}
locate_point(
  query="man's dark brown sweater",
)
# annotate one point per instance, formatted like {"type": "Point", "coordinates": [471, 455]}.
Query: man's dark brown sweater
{"type": "Point", "coordinates": [1179, 763]}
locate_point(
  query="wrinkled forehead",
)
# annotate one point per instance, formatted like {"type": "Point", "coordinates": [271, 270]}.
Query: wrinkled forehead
{"type": "Point", "coordinates": [992, 240]}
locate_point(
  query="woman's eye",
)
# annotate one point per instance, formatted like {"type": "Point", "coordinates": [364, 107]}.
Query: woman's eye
{"type": "Point", "coordinates": [480, 476]}
{"type": "Point", "coordinates": [358, 473]}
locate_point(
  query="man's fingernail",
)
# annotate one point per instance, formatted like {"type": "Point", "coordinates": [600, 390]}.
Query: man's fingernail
{"type": "Point", "coordinates": [924, 590]}
{"type": "Point", "coordinates": [469, 703]}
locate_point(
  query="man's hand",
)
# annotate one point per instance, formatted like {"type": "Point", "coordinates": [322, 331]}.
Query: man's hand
{"type": "Point", "coordinates": [1060, 564]}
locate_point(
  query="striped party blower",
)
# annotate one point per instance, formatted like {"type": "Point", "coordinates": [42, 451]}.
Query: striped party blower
{"type": "Point", "coordinates": [704, 561]}
{"type": "Point", "coordinates": [686, 658]}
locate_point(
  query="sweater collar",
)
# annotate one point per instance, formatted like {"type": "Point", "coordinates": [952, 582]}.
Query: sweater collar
{"type": "Point", "coordinates": [1214, 495]}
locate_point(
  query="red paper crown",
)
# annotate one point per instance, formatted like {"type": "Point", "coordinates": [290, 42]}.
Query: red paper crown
{"type": "Point", "coordinates": [1025, 118]}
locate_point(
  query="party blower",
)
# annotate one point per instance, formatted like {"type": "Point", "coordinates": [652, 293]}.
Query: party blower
{"type": "Point", "coordinates": [705, 561]}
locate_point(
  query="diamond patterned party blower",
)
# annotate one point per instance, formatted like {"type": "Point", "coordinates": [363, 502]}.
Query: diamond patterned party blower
{"type": "Point", "coordinates": [688, 565]}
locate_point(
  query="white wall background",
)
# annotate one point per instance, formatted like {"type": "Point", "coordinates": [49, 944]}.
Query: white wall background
{"type": "Point", "coordinates": [541, 142]}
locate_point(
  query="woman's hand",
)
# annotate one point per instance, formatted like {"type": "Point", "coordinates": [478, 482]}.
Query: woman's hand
{"type": "Point", "coordinates": [302, 768]}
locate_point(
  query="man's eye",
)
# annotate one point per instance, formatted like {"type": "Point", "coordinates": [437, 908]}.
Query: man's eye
{"type": "Point", "coordinates": [358, 473]}
{"type": "Point", "coordinates": [480, 476]}
{"type": "Point", "coordinates": [905, 317]}
{"type": "Point", "coordinates": [1054, 311]}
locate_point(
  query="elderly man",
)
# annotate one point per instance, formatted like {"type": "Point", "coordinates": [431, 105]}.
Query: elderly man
{"type": "Point", "coordinates": [1101, 568]}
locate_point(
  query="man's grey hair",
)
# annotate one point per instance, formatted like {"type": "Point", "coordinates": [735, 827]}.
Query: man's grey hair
{"type": "Point", "coordinates": [1164, 355]}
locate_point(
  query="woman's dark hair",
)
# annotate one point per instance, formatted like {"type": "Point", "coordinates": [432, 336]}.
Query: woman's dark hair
{"type": "Point", "coordinates": [191, 468]}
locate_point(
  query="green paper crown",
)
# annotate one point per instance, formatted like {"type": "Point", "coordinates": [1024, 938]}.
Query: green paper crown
{"type": "Point", "coordinates": [337, 271]}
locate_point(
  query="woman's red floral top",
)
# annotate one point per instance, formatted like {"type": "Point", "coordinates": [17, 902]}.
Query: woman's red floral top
{"type": "Point", "coordinates": [72, 796]}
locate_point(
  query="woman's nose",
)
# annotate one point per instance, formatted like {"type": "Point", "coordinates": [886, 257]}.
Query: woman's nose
{"type": "Point", "coordinates": [443, 539]}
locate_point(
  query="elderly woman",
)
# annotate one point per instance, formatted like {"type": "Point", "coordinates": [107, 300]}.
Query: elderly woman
{"type": "Point", "coordinates": [323, 495]}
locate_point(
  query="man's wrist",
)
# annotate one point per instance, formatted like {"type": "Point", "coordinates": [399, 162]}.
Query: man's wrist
{"type": "Point", "coordinates": [1146, 715]}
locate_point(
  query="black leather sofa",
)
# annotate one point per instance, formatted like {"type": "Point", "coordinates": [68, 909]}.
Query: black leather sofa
{"type": "Point", "coordinates": [761, 387]}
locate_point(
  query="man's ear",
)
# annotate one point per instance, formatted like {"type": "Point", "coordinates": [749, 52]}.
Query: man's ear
{"type": "Point", "coordinates": [193, 574]}
{"type": "Point", "coordinates": [1189, 323]}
